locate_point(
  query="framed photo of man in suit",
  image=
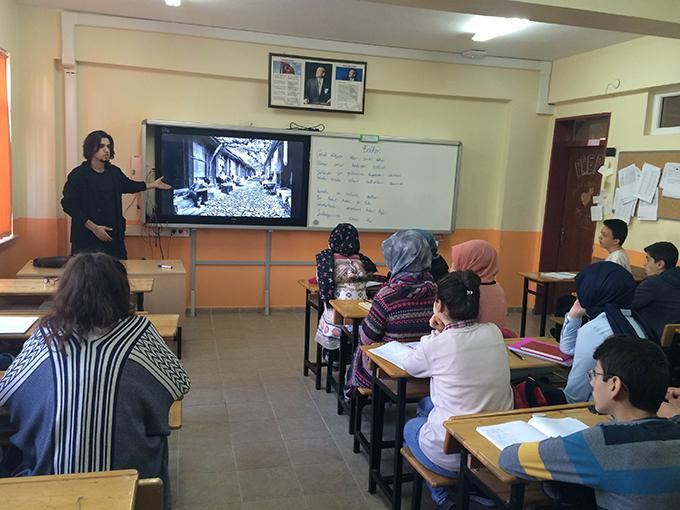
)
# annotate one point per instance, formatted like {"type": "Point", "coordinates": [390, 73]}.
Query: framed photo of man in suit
{"type": "Point", "coordinates": [316, 84]}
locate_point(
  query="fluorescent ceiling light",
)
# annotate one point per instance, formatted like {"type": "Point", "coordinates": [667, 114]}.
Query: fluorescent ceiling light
{"type": "Point", "coordinates": [488, 27]}
{"type": "Point", "coordinates": [173, 3]}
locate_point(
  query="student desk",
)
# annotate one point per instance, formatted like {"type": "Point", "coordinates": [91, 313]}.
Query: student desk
{"type": "Point", "coordinates": [111, 490]}
{"type": "Point", "coordinates": [545, 281]}
{"type": "Point", "coordinates": [169, 295]}
{"type": "Point", "coordinates": [167, 326]}
{"type": "Point", "coordinates": [383, 389]}
{"type": "Point", "coordinates": [345, 310]}
{"type": "Point", "coordinates": [311, 301]}
{"type": "Point", "coordinates": [462, 436]}
{"type": "Point", "coordinates": [10, 287]}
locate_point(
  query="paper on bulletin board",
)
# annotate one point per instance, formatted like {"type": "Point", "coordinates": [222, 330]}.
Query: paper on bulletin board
{"type": "Point", "coordinates": [670, 181]}
{"type": "Point", "coordinates": [646, 185]}
{"type": "Point", "coordinates": [649, 211]}
{"type": "Point", "coordinates": [627, 183]}
{"type": "Point", "coordinates": [605, 171]}
{"type": "Point", "coordinates": [597, 213]}
{"type": "Point", "coordinates": [625, 211]}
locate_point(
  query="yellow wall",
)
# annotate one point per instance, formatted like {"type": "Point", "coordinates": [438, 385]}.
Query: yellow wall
{"type": "Point", "coordinates": [126, 76]}
{"type": "Point", "coordinates": [643, 66]}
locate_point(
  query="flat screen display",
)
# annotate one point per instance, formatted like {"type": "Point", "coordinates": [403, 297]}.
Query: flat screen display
{"type": "Point", "coordinates": [231, 177]}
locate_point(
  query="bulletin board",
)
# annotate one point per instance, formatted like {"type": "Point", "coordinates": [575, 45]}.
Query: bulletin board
{"type": "Point", "coordinates": [669, 208]}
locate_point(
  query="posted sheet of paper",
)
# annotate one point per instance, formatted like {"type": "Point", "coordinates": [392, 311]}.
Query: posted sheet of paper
{"type": "Point", "coordinates": [649, 211]}
{"type": "Point", "coordinates": [605, 171]}
{"type": "Point", "coordinates": [626, 211]}
{"type": "Point", "coordinates": [670, 182]}
{"type": "Point", "coordinates": [648, 182]}
{"type": "Point", "coordinates": [597, 213]}
{"type": "Point", "coordinates": [627, 182]}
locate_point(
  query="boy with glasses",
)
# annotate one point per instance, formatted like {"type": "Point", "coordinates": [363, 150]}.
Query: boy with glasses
{"type": "Point", "coordinates": [632, 462]}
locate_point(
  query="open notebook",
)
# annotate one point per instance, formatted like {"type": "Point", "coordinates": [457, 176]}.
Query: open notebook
{"type": "Point", "coordinates": [16, 324]}
{"type": "Point", "coordinates": [537, 428]}
{"type": "Point", "coordinates": [395, 352]}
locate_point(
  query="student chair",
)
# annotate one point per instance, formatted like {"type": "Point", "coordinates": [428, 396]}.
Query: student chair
{"type": "Point", "coordinates": [149, 494]}
{"type": "Point", "coordinates": [422, 473]}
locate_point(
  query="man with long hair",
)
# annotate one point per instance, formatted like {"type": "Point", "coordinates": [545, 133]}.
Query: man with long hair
{"type": "Point", "coordinates": [93, 198]}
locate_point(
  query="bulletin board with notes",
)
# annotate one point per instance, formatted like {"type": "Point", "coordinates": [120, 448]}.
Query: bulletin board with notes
{"type": "Point", "coordinates": [669, 182]}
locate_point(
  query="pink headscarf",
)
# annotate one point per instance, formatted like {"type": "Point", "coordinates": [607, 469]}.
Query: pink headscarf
{"type": "Point", "coordinates": [481, 258]}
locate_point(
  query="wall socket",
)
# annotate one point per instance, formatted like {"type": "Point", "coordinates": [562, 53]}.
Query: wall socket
{"type": "Point", "coordinates": [140, 230]}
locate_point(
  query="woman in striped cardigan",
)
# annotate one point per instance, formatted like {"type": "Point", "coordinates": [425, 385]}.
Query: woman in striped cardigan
{"type": "Point", "coordinates": [402, 308]}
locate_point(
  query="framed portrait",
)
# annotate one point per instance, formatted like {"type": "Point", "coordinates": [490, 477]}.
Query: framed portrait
{"type": "Point", "coordinates": [316, 84]}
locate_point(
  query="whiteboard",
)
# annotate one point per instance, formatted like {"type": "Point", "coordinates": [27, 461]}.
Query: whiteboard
{"type": "Point", "coordinates": [391, 184]}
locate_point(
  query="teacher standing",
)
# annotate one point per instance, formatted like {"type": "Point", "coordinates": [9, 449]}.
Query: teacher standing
{"type": "Point", "coordinates": [93, 198]}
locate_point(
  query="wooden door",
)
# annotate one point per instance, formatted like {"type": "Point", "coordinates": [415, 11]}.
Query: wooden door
{"type": "Point", "coordinates": [577, 229]}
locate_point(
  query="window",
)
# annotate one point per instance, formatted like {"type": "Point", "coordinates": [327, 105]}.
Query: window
{"type": "Point", "coordinates": [666, 113]}
{"type": "Point", "coordinates": [5, 151]}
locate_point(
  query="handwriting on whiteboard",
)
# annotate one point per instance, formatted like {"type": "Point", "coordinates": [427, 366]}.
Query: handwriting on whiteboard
{"type": "Point", "coordinates": [353, 186]}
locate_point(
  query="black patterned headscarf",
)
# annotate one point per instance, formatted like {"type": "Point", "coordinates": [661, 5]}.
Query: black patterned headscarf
{"type": "Point", "coordinates": [344, 240]}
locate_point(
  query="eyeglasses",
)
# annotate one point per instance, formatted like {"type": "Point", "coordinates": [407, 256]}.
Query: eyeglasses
{"type": "Point", "coordinates": [50, 280]}
{"type": "Point", "coordinates": [592, 373]}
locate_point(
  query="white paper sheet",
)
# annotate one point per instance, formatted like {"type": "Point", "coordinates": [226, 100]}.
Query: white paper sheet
{"type": "Point", "coordinates": [16, 324]}
{"type": "Point", "coordinates": [648, 182]}
{"type": "Point", "coordinates": [557, 427]}
{"type": "Point", "coordinates": [605, 171]}
{"type": "Point", "coordinates": [670, 182]}
{"type": "Point", "coordinates": [597, 213]}
{"type": "Point", "coordinates": [627, 182]}
{"type": "Point", "coordinates": [649, 212]}
{"type": "Point", "coordinates": [626, 211]}
{"type": "Point", "coordinates": [394, 352]}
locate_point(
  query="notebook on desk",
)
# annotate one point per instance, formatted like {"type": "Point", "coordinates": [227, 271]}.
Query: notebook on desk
{"type": "Point", "coordinates": [541, 350]}
{"type": "Point", "coordinates": [537, 428]}
{"type": "Point", "coordinates": [395, 352]}
{"type": "Point", "coordinates": [559, 275]}
{"type": "Point", "coordinates": [366, 305]}
{"type": "Point", "coordinates": [16, 324]}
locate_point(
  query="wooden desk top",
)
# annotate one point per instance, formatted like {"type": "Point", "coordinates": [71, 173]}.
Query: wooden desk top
{"type": "Point", "coordinates": [349, 308]}
{"type": "Point", "coordinates": [464, 431]}
{"type": "Point", "coordinates": [135, 268]}
{"type": "Point", "coordinates": [111, 490]}
{"type": "Point", "coordinates": [311, 287]}
{"type": "Point", "coordinates": [36, 287]}
{"type": "Point", "coordinates": [525, 363]}
{"type": "Point", "coordinates": [540, 277]}
{"type": "Point", "coordinates": [165, 324]}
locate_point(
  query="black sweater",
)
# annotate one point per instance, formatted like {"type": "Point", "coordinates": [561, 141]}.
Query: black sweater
{"type": "Point", "coordinates": [83, 201]}
{"type": "Point", "coordinates": [657, 302]}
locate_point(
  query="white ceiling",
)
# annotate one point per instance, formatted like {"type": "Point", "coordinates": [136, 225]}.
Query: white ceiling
{"type": "Point", "coordinates": [355, 21]}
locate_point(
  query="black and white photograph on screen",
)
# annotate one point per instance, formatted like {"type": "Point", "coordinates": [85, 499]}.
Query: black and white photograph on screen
{"type": "Point", "coordinates": [231, 177]}
{"type": "Point", "coordinates": [316, 84]}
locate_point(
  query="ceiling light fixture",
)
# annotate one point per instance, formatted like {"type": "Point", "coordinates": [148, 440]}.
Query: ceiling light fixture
{"type": "Point", "coordinates": [488, 27]}
{"type": "Point", "coordinates": [173, 3]}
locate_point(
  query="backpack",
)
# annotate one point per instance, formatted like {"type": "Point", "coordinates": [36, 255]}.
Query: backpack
{"type": "Point", "coordinates": [533, 393]}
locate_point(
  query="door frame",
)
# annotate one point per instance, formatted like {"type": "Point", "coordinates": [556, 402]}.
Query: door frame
{"type": "Point", "coordinates": [563, 141]}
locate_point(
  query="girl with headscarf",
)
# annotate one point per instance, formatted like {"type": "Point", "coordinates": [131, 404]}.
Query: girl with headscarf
{"type": "Point", "coordinates": [481, 258]}
{"type": "Point", "coordinates": [605, 291]}
{"type": "Point", "coordinates": [439, 267]}
{"type": "Point", "coordinates": [342, 272]}
{"type": "Point", "coordinates": [402, 308]}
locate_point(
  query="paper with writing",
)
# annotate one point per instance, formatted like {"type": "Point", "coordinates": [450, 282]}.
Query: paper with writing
{"type": "Point", "coordinates": [536, 429]}
{"type": "Point", "coordinates": [670, 181]}
{"type": "Point", "coordinates": [646, 185]}
{"type": "Point", "coordinates": [627, 183]}
{"type": "Point", "coordinates": [649, 211]}
{"type": "Point", "coordinates": [597, 213]}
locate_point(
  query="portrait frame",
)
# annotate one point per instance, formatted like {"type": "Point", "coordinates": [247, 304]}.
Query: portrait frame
{"type": "Point", "coordinates": [316, 84]}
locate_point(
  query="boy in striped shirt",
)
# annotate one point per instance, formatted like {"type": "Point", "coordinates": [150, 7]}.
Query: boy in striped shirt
{"type": "Point", "coordinates": [632, 462]}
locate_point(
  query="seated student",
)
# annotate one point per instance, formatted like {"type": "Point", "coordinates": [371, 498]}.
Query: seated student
{"type": "Point", "coordinates": [91, 388]}
{"type": "Point", "coordinates": [481, 258]}
{"type": "Point", "coordinates": [342, 273]}
{"type": "Point", "coordinates": [657, 298]}
{"type": "Point", "coordinates": [402, 308]}
{"type": "Point", "coordinates": [612, 236]}
{"type": "Point", "coordinates": [468, 365]}
{"type": "Point", "coordinates": [631, 462]}
{"type": "Point", "coordinates": [605, 291]}
{"type": "Point", "coordinates": [439, 266]}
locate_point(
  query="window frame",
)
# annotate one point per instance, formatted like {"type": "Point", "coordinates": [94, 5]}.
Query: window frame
{"type": "Point", "coordinates": [8, 236]}
{"type": "Point", "coordinates": [656, 114]}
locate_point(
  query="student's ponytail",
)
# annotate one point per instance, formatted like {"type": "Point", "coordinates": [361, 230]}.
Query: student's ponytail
{"type": "Point", "coordinates": [459, 292]}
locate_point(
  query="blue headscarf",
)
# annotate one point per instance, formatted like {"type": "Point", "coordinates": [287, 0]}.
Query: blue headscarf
{"type": "Point", "coordinates": [607, 287]}
{"type": "Point", "coordinates": [407, 251]}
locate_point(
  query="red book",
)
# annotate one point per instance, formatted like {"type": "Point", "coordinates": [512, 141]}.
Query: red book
{"type": "Point", "coordinates": [543, 350]}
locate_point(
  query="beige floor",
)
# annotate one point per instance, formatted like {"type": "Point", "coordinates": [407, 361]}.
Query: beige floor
{"type": "Point", "coordinates": [256, 434]}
